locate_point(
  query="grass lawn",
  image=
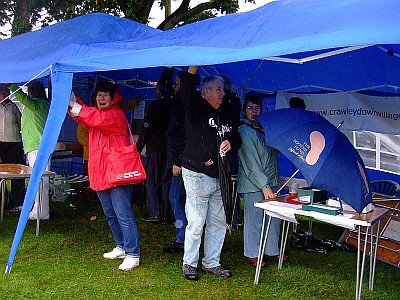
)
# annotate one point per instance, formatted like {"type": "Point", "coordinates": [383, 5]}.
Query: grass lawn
{"type": "Point", "coordinates": [65, 262]}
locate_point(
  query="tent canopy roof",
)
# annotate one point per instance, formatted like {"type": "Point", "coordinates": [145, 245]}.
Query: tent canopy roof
{"type": "Point", "coordinates": [26, 55]}
{"type": "Point", "coordinates": [292, 45]}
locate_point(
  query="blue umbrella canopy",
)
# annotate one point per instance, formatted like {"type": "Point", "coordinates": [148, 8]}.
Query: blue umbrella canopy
{"type": "Point", "coordinates": [322, 153]}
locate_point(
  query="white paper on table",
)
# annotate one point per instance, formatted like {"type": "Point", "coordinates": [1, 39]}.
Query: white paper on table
{"type": "Point", "coordinates": [280, 210]}
{"type": "Point", "coordinates": [344, 220]}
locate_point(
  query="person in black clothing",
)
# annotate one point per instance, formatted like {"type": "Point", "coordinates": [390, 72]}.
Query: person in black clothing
{"type": "Point", "coordinates": [175, 146]}
{"type": "Point", "coordinates": [154, 137]}
{"type": "Point", "coordinates": [206, 123]}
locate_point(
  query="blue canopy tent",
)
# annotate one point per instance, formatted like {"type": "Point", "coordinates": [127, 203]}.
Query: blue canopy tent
{"type": "Point", "coordinates": [317, 41]}
{"type": "Point", "coordinates": [298, 46]}
{"type": "Point", "coordinates": [307, 45]}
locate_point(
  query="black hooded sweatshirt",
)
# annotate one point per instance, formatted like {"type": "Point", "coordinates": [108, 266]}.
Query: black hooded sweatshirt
{"type": "Point", "coordinates": [201, 128]}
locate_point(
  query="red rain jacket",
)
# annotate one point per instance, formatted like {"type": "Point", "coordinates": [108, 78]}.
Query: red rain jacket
{"type": "Point", "coordinates": [107, 128]}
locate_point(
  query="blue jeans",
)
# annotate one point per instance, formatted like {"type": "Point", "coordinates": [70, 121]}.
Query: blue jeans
{"type": "Point", "coordinates": [116, 203]}
{"type": "Point", "coordinates": [177, 197]}
{"type": "Point", "coordinates": [203, 206]}
{"type": "Point", "coordinates": [253, 217]}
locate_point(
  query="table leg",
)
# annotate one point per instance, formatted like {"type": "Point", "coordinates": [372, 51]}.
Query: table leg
{"type": "Point", "coordinates": [3, 196]}
{"type": "Point", "coordinates": [361, 275]}
{"type": "Point", "coordinates": [358, 260]}
{"type": "Point", "coordinates": [373, 253]}
{"type": "Point", "coordinates": [263, 242]}
{"type": "Point", "coordinates": [285, 231]}
{"type": "Point", "coordinates": [39, 206]}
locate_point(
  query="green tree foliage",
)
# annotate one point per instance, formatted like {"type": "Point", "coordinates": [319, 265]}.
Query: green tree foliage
{"type": "Point", "coordinates": [27, 14]}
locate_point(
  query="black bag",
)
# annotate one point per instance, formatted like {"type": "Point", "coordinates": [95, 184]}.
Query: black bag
{"type": "Point", "coordinates": [306, 241]}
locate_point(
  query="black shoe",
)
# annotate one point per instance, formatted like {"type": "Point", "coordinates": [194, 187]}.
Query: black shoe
{"type": "Point", "coordinates": [217, 271]}
{"type": "Point", "coordinates": [189, 272]}
{"type": "Point", "coordinates": [173, 247]}
{"type": "Point", "coordinates": [151, 219]}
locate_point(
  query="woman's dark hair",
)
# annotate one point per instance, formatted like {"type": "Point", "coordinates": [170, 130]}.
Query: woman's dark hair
{"type": "Point", "coordinates": [253, 99]}
{"type": "Point", "coordinates": [105, 87]}
{"type": "Point", "coordinates": [36, 90]}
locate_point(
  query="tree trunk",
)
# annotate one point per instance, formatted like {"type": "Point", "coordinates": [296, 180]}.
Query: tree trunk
{"type": "Point", "coordinates": [21, 22]}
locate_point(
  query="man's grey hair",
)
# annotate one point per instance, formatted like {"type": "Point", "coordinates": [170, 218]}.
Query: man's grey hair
{"type": "Point", "coordinates": [209, 81]}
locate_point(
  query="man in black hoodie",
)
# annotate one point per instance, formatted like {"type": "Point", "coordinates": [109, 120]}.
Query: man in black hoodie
{"type": "Point", "coordinates": [208, 134]}
{"type": "Point", "coordinates": [175, 146]}
{"type": "Point", "coordinates": [154, 136]}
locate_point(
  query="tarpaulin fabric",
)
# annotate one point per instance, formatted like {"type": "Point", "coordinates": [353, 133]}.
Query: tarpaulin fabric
{"type": "Point", "coordinates": [26, 55]}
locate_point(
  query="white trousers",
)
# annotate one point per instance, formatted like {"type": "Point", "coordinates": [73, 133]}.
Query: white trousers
{"type": "Point", "coordinates": [44, 210]}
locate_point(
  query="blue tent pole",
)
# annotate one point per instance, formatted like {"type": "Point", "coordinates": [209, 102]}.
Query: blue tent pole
{"type": "Point", "coordinates": [61, 90]}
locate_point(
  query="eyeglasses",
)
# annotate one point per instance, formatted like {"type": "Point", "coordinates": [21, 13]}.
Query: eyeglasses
{"type": "Point", "coordinates": [253, 107]}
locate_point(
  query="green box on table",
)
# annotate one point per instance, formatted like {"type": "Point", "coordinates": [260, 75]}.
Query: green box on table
{"type": "Point", "coordinates": [311, 195]}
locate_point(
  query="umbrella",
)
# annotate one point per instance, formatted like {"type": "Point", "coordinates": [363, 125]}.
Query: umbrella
{"type": "Point", "coordinates": [225, 180]}
{"type": "Point", "coordinates": [322, 153]}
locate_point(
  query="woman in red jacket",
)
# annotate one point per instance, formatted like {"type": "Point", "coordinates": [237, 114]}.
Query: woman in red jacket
{"type": "Point", "coordinates": [107, 125]}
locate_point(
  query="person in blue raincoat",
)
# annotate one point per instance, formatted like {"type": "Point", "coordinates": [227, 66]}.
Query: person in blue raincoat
{"type": "Point", "coordinates": [258, 179]}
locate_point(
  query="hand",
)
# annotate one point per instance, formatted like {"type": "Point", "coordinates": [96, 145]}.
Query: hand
{"type": "Point", "coordinates": [268, 193]}
{"type": "Point", "coordinates": [72, 99]}
{"type": "Point", "coordinates": [225, 147]}
{"type": "Point", "coordinates": [176, 171]}
{"type": "Point", "coordinates": [193, 69]}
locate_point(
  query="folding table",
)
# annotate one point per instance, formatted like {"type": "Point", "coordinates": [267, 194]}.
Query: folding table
{"type": "Point", "coordinates": [16, 171]}
{"type": "Point", "coordinates": [278, 208]}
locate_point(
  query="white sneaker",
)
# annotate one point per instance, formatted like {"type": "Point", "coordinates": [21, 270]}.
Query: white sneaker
{"type": "Point", "coordinates": [129, 263]}
{"type": "Point", "coordinates": [115, 253]}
